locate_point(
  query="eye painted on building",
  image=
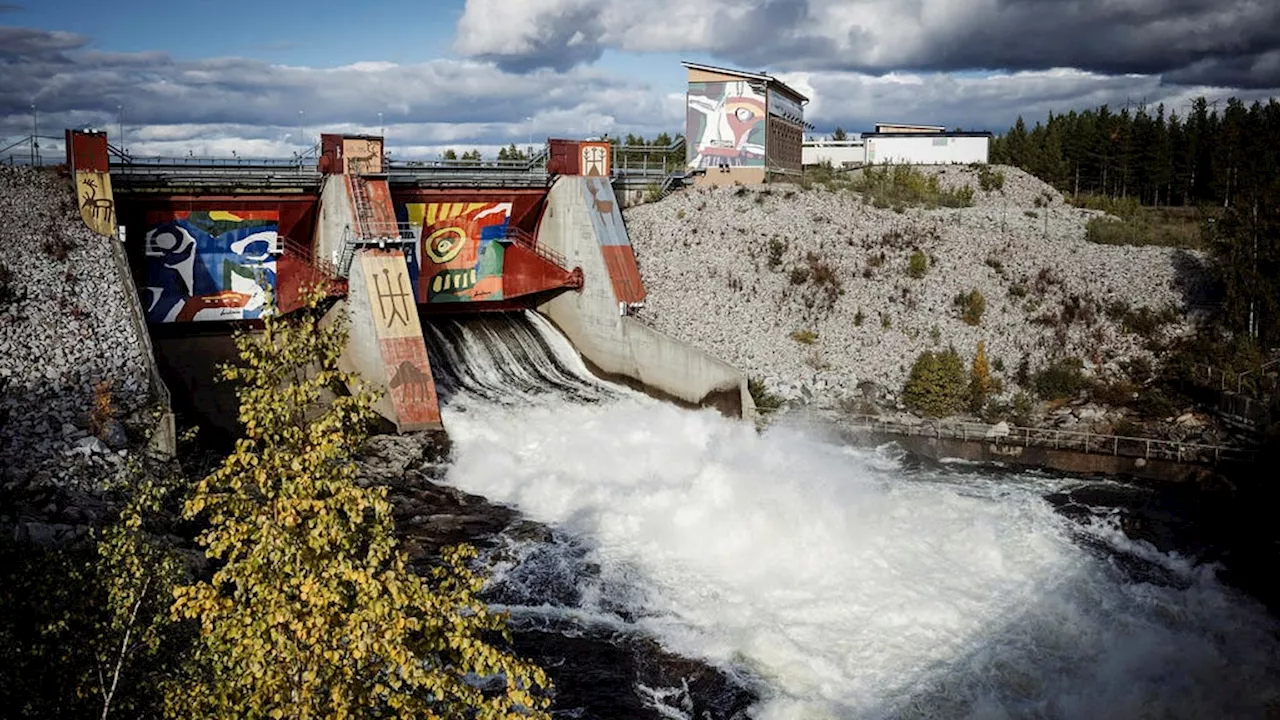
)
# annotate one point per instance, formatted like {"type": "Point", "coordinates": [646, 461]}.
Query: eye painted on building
{"type": "Point", "coordinates": [444, 244]}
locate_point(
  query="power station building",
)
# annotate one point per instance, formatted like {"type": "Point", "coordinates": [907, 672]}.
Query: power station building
{"type": "Point", "coordinates": [742, 127]}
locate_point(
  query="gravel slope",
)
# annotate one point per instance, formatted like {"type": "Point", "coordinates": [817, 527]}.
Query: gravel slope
{"type": "Point", "coordinates": [705, 258]}
{"type": "Point", "coordinates": [65, 327]}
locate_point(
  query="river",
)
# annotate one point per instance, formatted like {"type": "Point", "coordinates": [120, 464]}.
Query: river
{"type": "Point", "coordinates": [827, 581]}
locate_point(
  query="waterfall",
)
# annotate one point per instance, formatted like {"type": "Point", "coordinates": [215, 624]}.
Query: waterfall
{"type": "Point", "coordinates": [838, 582]}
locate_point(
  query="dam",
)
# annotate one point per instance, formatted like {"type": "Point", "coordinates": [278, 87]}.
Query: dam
{"type": "Point", "coordinates": [211, 246]}
{"type": "Point", "coordinates": [824, 580]}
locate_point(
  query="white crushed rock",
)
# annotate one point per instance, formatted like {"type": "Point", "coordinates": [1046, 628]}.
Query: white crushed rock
{"type": "Point", "coordinates": [68, 328]}
{"type": "Point", "coordinates": [703, 255]}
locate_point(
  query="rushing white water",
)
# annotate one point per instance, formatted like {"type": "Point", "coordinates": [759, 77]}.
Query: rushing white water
{"type": "Point", "coordinates": [847, 586]}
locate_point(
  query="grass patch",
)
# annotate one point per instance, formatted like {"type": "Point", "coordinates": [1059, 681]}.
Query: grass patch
{"type": "Point", "coordinates": [971, 306]}
{"type": "Point", "coordinates": [902, 186]}
{"type": "Point", "coordinates": [805, 337]}
{"type": "Point", "coordinates": [989, 180]}
{"type": "Point", "coordinates": [1145, 229]}
{"type": "Point", "coordinates": [918, 265]}
{"type": "Point", "coordinates": [1132, 223]}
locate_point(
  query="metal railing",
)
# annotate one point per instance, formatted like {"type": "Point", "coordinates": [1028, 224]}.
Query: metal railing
{"type": "Point", "coordinates": [1086, 442]}
{"type": "Point", "coordinates": [394, 234]}
{"type": "Point", "coordinates": [528, 240]}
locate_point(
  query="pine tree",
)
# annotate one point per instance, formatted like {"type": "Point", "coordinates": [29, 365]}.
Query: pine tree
{"type": "Point", "coordinates": [312, 611]}
{"type": "Point", "coordinates": [936, 385]}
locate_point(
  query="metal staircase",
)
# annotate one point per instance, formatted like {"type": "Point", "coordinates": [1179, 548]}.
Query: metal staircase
{"type": "Point", "coordinates": [366, 229]}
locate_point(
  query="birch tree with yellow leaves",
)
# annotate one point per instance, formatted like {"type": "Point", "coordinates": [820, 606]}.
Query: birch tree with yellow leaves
{"type": "Point", "coordinates": [312, 611]}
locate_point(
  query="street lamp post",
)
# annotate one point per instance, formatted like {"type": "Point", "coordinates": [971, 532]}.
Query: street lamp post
{"type": "Point", "coordinates": [120, 125]}
{"type": "Point", "coordinates": [302, 135]}
{"type": "Point", "coordinates": [382, 130]}
{"type": "Point", "coordinates": [35, 133]}
{"type": "Point", "coordinates": [529, 126]}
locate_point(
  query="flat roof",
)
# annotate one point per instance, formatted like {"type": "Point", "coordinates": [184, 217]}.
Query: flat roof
{"type": "Point", "coordinates": [983, 133]}
{"type": "Point", "coordinates": [939, 128]}
{"type": "Point", "coordinates": [763, 77]}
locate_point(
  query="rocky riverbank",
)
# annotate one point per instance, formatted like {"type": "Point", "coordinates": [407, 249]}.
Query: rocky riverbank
{"type": "Point", "coordinates": [67, 341]}
{"type": "Point", "coordinates": [817, 292]}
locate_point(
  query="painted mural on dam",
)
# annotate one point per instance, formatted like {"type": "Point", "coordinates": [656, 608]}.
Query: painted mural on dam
{"type": "Point", "coordinates": [214, 265]}
{"type": "Point", "coordinates": [726, 125]}
{"type": "Point", "coordinates": [459, 249]}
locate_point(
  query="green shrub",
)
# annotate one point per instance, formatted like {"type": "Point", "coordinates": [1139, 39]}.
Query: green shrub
{"type": "Point", "coordinates": [805, 337]}
{"type": "Point", "coordinates": [776, 249]}
{"type": "Point", "coordinates": [1023, 407]}
{"type": "Point", "coordinates": [1146, 322]}
{"type": "Point", "coordinates": [1117, 393]}
{"type": "Point", "coordinates": [989, 179]}
{"type": "Point", "coordinates": [918, 265]}
{"type": "Point", "coordinates": [858, 318]}
{"type": "Point", "coordinates": [1060, 379]}
{"type": "Point", "coordinates": [937, 385]}
{"type": "Point", "coordinates": [799, 275]}
{"type": "Point", "coordinates": [761, 396]}
{"type": "Point", "coordinates": [7, 292]}
{"type": "Point", "coordinates": [899, 186]}
{"type": "Point", "coordinates": [971, 305]}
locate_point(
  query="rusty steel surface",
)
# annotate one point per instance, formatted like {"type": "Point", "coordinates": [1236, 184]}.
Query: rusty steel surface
{"type": "Point", "coordinates": [564, 157]}
{"type": "Point", "coordinates": [88, 151]}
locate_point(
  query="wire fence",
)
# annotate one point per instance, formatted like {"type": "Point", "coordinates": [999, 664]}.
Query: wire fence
{"type": "Point", "coordinates": [1086, 442]}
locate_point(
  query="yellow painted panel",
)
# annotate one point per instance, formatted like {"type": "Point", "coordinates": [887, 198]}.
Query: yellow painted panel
{"type": "Point", "coordinates": [97, 203]}
{"type": "Point", "coordinates": [416, 212]}
{"type": "Point", "coordinates": [395, 312]}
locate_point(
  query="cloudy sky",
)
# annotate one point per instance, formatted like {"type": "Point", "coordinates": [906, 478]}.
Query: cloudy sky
{"type": "Point", "coordinates": [213, 76]}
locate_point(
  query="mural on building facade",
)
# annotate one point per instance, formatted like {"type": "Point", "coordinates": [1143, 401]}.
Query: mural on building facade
{"type": "Point", "coordinates": [213, 265]}
{"type": "Point", "coordinates": [725, 125]}
{"type": "Point", "coordinates": [459, 249]}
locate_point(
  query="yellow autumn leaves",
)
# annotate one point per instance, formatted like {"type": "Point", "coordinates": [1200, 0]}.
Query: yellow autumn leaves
{"type": "Point", "coordinates": [312, 611]}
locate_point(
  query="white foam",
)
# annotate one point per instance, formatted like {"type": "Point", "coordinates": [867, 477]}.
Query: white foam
{"type": "Point", "coordinates": [853, 588]}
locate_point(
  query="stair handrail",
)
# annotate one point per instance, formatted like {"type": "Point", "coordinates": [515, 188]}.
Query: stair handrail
{"type": "Point", "coordinates": [528, 240]}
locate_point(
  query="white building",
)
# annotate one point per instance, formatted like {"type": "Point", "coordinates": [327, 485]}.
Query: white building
{"type": "Point", "coordinates": [839, 153]}
{"type": "Point", "coordinates": [927, 148]}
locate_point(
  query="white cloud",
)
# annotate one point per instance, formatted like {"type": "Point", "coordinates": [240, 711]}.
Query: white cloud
{"type": "Point", "coordinates": [1142, 36]}
{"type": "Point", "coordinates": [174, 106]}
{"type": "Point", "coordinates": [212, 106]}
{"type": "Point", "coordinates": [856, 101]}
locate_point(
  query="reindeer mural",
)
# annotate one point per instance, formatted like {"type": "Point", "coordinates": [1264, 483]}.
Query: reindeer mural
{"type": "Point", "coordinates": [416, 383]}
{"type": "Point", "coordinates": [101, 209]}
